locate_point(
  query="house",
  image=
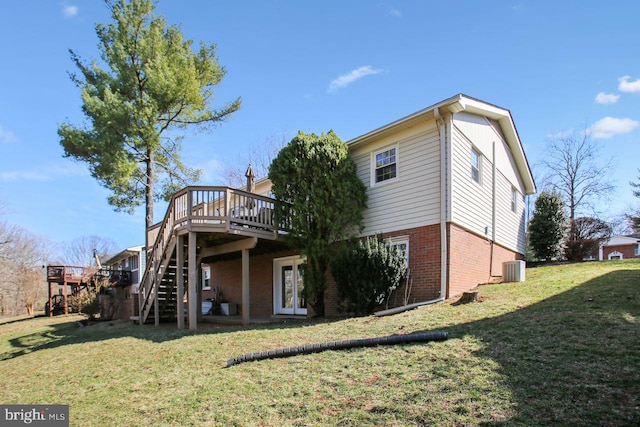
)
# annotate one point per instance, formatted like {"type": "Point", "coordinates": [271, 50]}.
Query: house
{"type": "Point", "coordinates": [621, 247]}
{"type": "Point", "coordinates": [445, 184]}
{"type": "Point", "coordinates": [125, 272]}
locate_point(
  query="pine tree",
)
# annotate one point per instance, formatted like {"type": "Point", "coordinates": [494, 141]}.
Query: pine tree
{"type": "Point", "coordinates": [152, 85]}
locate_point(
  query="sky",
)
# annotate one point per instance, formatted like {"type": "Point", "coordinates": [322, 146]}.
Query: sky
{"type": "Point", "coordinates": [350, 66]}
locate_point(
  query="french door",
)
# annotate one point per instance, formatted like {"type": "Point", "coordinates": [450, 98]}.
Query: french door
{"type": "Point", "coordinates": [288, 281]}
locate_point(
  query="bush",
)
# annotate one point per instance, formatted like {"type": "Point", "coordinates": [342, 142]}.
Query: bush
{"type": "Point", "coordinates": [579, 250]}
{"type": "Point", "coordinates": [366, 273]}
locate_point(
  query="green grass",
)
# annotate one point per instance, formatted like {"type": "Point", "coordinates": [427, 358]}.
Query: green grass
{"type": "Point", "coordinates": [563, 348]}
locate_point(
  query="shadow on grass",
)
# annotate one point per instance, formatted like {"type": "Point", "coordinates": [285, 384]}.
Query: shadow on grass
{"type": "Point", "coordinates": [78, 331]}
{"type": "Point", "coordinates": [572, 359]}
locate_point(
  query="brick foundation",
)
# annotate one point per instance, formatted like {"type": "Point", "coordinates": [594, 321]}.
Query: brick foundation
{"type": "Point", "coordinates": [470, 263]}
{"type": "Point", "coordinates": [470, 260]}
{"type": "Point", "coordinates": [227, 276]}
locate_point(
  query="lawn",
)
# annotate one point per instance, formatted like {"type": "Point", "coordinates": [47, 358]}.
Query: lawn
{"type": "Point", "coordinates": [563, 348]}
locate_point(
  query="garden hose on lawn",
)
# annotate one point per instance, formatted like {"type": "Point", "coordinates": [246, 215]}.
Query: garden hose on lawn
{"type": "Point", "coordinates": [338, 345]}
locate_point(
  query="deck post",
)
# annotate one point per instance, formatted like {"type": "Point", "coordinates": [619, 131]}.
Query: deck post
{"type": "Point", "coordinates": [50, 300]}
{"type": "Point", "coordinates": [192, 282]}
{"type": "Point", "coordinates": [246, 309]}
{"type": "Point", "coordinates": [64, 295]}
{"type": "Point", "coordinates": [180, 281]}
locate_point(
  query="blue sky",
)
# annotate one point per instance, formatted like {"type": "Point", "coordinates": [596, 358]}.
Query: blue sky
{"type": "Point", "coordinates": [350, 66]}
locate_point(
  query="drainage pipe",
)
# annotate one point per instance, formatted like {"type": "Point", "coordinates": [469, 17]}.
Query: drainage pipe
{"type": "Point", "coordinates": [404, 308]}
{"type": "Point", "coordinates": [338, 345]}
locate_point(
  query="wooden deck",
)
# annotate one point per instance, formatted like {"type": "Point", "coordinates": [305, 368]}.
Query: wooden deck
{"type": "Point", "coordinates": [222, 217]}
{"type": "Point", "coordinates": [217, 210]}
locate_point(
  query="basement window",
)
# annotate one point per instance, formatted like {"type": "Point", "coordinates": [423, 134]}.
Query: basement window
{"type": "Point", "coordinates": [206, 278]}
{"type": "Point", "coordinates": [402, 246]}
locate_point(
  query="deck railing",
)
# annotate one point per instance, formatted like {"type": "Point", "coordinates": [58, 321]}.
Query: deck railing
{"type": "Point", "coordinates": [73, 274]}
{"type": "Point", "coordinates": [206, 209]}
{"type": "Point", "coordinates": [65, 273]}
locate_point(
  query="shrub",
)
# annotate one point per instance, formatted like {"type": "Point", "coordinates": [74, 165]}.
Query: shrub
{"type": "Point", "coordinates": [366, 272]}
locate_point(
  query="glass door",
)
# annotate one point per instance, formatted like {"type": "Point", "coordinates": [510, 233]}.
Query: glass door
{"type": "Point", "coordinates": [289, 286]}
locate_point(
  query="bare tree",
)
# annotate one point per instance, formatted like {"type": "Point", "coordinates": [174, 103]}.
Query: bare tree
{"type": "Point", "coordinates": [258, 156]}
{"type": "Point", "coordinates": [31, 289]}
{"type": "Point", "coordinates": [578, 173]}
{"type": "Point", "coordinates": [79, 252]}
{"type": "Point", "coordinates": [22, 281]}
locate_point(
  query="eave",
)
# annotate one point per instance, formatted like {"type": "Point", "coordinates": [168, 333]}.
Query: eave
{"type": "Point", "coordinates": [456, 104]}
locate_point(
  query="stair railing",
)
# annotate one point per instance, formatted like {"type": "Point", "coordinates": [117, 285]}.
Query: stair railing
{"type": "Point", "coordinates": [202, 205]}
{"type": "Point", "coordinates": [149, 286]}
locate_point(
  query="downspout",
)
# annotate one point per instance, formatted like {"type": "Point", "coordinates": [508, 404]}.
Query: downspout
{"type": "Point", "coordinates": [493, 208]}
{"type": "Point", "coordinates": [442, 131]}
{"type": "Point", "coordinates": [441, 126]}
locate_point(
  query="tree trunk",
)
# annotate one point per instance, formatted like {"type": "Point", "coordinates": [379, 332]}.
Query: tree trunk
{"type": "Point", "coordinates": [149, 198]}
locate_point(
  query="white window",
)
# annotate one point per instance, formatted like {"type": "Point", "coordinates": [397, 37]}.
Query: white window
{"type": "Point", "coordinates": [385, 165]}
{"type": "Point", "coordinates": [402, 245]}
{"type": "Point", "coordinates": [206, 278]}
{"type": "Point", "coordinates": [514, 200]}
{"type": "Point", "coordinates": [637, 251]}
{"type": "Point", "coordinates": [475, 165]}
{"type": "Point", "coordinates": [134, 262]}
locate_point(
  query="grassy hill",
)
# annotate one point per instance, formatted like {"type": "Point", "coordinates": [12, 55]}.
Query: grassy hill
{"type": "Point", "coordinates": [562, 348]}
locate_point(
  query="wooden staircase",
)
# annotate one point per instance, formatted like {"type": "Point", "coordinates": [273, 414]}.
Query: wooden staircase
{"type": "Point", "coordinates": [231, 213]}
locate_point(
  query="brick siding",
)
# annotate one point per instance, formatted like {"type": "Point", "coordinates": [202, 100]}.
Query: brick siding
{"type": "Point", "coordinates": [468, 265]}
{"type": "Point", "coordinates": [627, 251]}
{"type": "Point", "coordinates": [471, 262]}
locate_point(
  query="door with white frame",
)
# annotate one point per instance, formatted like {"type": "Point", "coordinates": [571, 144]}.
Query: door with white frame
{"type": "Point", "coordinates": [288, 286]}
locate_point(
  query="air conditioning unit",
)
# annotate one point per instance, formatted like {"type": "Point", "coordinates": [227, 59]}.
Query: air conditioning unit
{"type": "Point", "coordinates": [513, 271]}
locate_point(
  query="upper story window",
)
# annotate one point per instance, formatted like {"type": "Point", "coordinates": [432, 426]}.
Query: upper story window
{"type": "Point", "coordinates": [475, 165]}
{"type": "Point", "coordinates": [134, 262]}
{"type": "Point", "coordinates": [386, 165]}
{"type": "Point", "coordinates": [514, 200]}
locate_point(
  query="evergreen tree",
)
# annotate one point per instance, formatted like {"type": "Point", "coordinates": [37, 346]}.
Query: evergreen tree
{"type": "Point", "coordinates": [634, 219]}
{"type": "Point", "coordinates": [548, 226]}
{"type": "Point", "coordinates": [321, 198]}
{"type": "Point", "coordinates": [150, 84]}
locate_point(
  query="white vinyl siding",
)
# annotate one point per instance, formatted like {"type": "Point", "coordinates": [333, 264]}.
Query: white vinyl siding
{"type": "Point", "coordinates": [413, 198]}
{"type": "Point", "coordinates": [470, 201]}
{"type": "Point", "coordinates": [510, 225]}
{"type": "Point", "coordinates": [472, 204]}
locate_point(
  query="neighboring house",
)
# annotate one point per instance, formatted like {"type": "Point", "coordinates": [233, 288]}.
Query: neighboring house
{"type": "Point", "coordinates": [621, 247]}
{"type": "Point", "coordinates": [125, 272]}
{"type": "Point", "coordinates": [445, 184]}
